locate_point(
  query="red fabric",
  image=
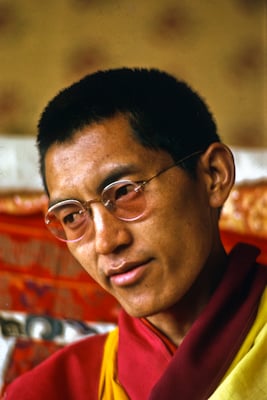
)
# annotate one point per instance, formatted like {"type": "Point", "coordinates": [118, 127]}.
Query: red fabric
{"type": "Point", "coordinates": [231, 238]}
{"type": "Point", "coordinates": [70, 374]}
{"type": "Point", "coordinates": [26, 355]}
{"type": "Point", "coordinates": [38, 275]}
{"type": "Point", "coordinates": [142, 357]}
{"type": "Point", "coordinates": [168, 343]}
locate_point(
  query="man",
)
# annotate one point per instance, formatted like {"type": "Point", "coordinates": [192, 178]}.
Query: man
{"type": "Point", "coordinates": [136, 176]}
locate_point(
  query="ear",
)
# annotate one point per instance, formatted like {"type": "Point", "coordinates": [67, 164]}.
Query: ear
{"type": "Point", "coordinates": [219, 173]}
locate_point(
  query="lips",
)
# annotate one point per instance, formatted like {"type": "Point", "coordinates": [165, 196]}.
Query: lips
{"type": "Point", "coordinates": [126, 274]}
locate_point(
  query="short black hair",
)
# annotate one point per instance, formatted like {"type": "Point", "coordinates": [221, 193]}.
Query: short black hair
{"type": "Point", "coordinates": [164, 112]}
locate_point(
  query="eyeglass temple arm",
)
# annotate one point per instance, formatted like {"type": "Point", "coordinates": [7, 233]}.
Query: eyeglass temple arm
{"type": "Point", "coordinates": [173, 165]}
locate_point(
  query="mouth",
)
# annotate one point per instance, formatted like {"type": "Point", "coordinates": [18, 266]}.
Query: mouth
{"type": "Point", "coordinates": [128, 274]}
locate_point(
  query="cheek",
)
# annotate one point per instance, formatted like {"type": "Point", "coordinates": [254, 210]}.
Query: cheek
{"type": "Point", "coordinates": [179, 224]}
{"type": "Point", "coordinates": [83, 253]}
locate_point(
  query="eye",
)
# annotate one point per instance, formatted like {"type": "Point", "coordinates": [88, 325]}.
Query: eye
{"type": "Point", "coordinates": [68, 220]}
{"type": "Point", "coordinates": [120, 194]}
{"type": "Point", "coordinates": [71, 217]}
{"type": "Point", "coordinates": [123, 191]}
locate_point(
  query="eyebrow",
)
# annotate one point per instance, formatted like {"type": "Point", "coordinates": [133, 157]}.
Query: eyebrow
{"type": "Point", "coordinates": [116, 174]}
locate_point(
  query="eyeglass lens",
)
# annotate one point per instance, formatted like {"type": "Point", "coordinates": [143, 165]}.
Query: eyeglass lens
{"type": "Point", "coordinates": [70, 220]}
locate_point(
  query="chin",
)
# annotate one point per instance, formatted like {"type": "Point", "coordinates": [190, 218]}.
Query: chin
{"type": "Point", "coordinates": [141, 311]}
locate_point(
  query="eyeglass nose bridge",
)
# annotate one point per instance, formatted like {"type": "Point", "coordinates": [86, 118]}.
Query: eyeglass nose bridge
{"type": "Point", "coordinates": [108, 204]}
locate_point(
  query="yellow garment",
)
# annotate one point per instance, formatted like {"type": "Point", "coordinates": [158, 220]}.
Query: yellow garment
{"type": "Point", "coordinates": [246, 378]}
{"type": "Point", "coordinates": [109, 387]}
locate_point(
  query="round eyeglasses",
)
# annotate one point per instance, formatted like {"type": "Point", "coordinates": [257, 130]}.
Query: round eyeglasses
{"type": "Point", "coordinates": [70, 219]}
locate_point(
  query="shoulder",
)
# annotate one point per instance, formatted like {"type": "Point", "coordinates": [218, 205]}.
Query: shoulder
{"type": "Point", "coordinates": [72, 372]}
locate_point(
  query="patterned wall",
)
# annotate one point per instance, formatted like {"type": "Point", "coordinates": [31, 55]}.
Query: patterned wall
{"type": "Point", "coordinates": [218, 46]}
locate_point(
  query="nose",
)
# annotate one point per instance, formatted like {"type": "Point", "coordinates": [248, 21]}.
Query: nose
{"type": "Point", "coordinates": [110, 233]}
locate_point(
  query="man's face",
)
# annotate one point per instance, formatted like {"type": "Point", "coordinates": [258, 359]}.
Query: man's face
{"type": "Point", "coordinates": [151, 263]}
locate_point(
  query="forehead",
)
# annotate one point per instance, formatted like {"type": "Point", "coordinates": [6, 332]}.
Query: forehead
{"type": "Point", "coordinates": [96, 151]}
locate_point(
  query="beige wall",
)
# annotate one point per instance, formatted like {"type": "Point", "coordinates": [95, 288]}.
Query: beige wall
{"type": "Point", "coordinates": [217, 46]}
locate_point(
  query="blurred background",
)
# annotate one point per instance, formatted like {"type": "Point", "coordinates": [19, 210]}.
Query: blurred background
{"type": "Point", "coordinates": [219, 47]}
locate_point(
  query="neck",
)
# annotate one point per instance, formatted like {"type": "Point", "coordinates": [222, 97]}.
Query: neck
{"type": "Point", "coordinates": [176, 321]}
